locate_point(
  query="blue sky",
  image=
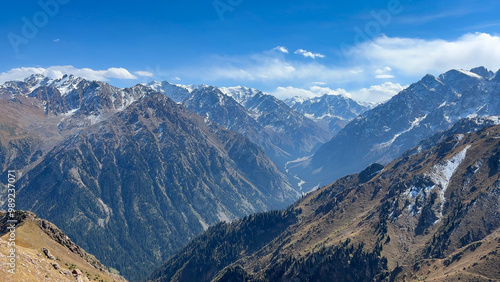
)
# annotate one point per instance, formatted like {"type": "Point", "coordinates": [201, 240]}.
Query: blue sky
{"type": "Point", "coordinates": [369, 49]}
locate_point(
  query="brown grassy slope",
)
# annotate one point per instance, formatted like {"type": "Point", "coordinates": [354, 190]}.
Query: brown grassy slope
{"type": "Point", "coordinates": [26, 133]}
{"type": "Point", "coordinates": [478, 261]}
{"type": "Point", "coordinates": [33, 264]}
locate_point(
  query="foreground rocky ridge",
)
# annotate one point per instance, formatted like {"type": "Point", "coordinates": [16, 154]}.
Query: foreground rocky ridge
{"type": "Point", "coordinates": [45, 253]}
{"type": "Point", "coordinates": [430, 215]}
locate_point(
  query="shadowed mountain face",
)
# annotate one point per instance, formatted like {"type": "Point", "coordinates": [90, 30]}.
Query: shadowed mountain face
{"type": "Point", "coordinates": [283, 133]}
{"type": "Point", "coordinates": [433, 214]}
{"type": "Point", "coordinates": [129, 174]}
{"type": "Point", "coordinates": [431, 105]}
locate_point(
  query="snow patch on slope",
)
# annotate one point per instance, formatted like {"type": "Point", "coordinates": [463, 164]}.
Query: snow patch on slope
{"type": "Point", "coordinates": [442, 173]}
{"type": "Point", "coordinates": [413, 124]}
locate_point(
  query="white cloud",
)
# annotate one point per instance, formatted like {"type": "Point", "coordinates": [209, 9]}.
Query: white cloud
{"type": "Point", "coordinates": [308, 54]}
{"type": "Point", "coordinates": [314, 91]}
{"type": "Point", "coordinates": [417, 57]}
{"type": "Point", "coordinates": [176, 78]}
{"type": "Point", "coordinates": [281, 49]}
{"type": "Point", "coordinates": [383, 73]}
{"type": "Point", "coordinates": [429, 17]}
{"type": "Point", "coordinates": [56, 40]}
{"type": "Point", "coordinates": [320, 91]}
{"type": "Point", "coordinates": [268, 68]}
{"type": "Point", "coordinates": [144, 73]}
{"type": "Point", "coordinates": [383, 70]}
{"type": "Point", "coordinates": [399, 60]}
{"type": "Point", "coordinates": [378, 93]}
{"type": "Point", "coordinates": [375, 93]}
{"type": "Point", "coordinates": [384, 76]}
{"type": "Point", "coordinates": [60, 71]}
{"type": "Point", "coordinates": [289, 92]}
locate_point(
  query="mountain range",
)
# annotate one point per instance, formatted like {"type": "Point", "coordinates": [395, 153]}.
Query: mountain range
{"type": "Point", "coordinates": [133, 174]}
{"type": "Point", "coordinates": [283, 133]}
{"type": "Point", "coordinates": [104, 163]}
{"type": "Point", "coordinates": [432, 215]}
{"type": "Point", "coordinates": [379, 135]}
{"type": "Point", "coordinates": [332, 112]}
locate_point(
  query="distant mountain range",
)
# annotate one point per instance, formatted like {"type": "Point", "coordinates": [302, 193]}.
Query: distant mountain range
{"type": "Point", "coordinates": [379, 135]}
{"type": "Point", "coordinates": [283, 133]}
{"type": "Point", "coordinates": [332, 112]}
{"type": "Point", "coordinates": [433, 215]}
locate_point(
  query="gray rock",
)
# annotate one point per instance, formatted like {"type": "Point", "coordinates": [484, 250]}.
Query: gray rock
{"type": "Point", "coordinates": [48, 254]}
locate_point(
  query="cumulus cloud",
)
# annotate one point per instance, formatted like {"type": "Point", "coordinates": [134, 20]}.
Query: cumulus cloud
{"type": "Point", "coordinates": [144, 73]}
{"type": "Point", "coordinates": [383, 70]}
{"type": "Point", "coordinates": [416, 57]}
{"type": "Point", "coordinates": [313, 91]}
{"type": "Point", "coordinates": [281, 49]}
{"type": "Point", "coordinates": [378, 93]}
{"type": "Point", "coordinates": [375, 93]}
{"type": "Point", "coordinates": [309, 54]}
{"type": "Point", "coordinates": [383, 73]}
{"type": "Point", "coordinates": [60, 71]}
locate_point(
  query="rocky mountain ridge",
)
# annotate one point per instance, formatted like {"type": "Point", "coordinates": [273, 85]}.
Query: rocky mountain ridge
{"type": "Point", "coordinates": [44, 252]}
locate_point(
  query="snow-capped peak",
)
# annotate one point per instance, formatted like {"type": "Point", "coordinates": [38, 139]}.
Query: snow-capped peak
{"type": "Point", "coordinates": [296, 100]}
{"type": "Point", "coordinates": [36, 80]}
{"type": "Point", "coordinates": [484, 72]}
{"type": "Point", "coordinates": [192, 87]}
{"type": "Point", "coordinates": [66, 84]}
{"type": "Point", "coordinates": [176, 92]}
{"type": "Point", "coordinates": [469, 73]}
{"type": "Point", "coordinates": [240, 93]}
